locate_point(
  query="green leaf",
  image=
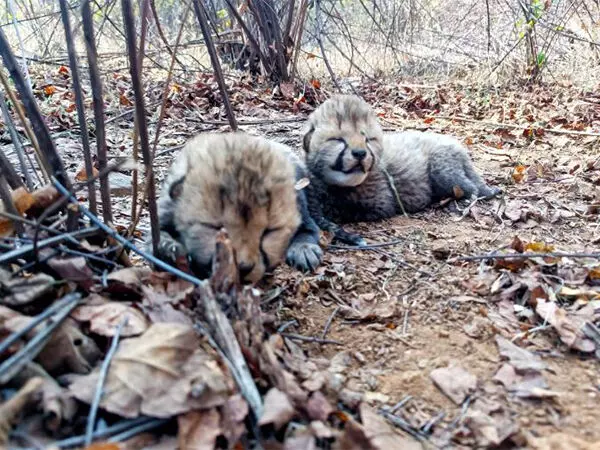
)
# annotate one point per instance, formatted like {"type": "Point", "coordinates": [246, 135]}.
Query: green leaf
{"type": "Point", "coordinates": [541, 59]}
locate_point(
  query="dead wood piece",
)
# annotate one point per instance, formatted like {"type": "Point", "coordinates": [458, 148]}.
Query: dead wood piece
{"type": "Point", "coordinates": [225, 277]}
{"type": "Point", "coordinates": [220, 330]}
{"type": "Point", "coordinates": [222, 290]}
{"type": "Point", "coordinates": [317, 340]}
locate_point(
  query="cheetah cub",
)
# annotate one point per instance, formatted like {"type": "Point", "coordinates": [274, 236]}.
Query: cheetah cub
{"type": "Point", "coordinates": [247, 185]}
{"type": "Point", "coordinates": [359, 173]}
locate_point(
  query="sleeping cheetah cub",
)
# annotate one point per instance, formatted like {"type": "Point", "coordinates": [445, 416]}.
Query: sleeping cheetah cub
{"type": "Point", "coordinates": [359, 173]}
{"type": "Point", "coordinates": [247, 185]}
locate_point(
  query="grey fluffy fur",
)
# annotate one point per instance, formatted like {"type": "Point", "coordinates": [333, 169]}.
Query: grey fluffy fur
{"type": "Point", "coordinates": [424, 167]}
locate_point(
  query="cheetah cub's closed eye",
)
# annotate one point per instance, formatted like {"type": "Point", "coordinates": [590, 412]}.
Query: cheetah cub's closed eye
{"type": "Point", "coordinates": [245, 184]}
{"type": "Point", "coordinates": [359, 173]}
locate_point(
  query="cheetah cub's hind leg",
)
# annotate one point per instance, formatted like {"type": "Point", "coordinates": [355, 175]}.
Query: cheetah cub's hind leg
{"type": "Point", "coordinates": [450, 167]}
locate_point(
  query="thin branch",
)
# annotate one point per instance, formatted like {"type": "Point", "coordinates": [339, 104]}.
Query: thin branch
{"type": "Point", "coordinates": [91, 421]}
{"type": "Point", "coordinates": [25, 250]}
{"type": "Point", "coordinates": [112, 233]}
{"type": "Point", "coordinates": [11, 366]}
{"type": "Point", "coordinates": [320, 41]}
{"type": "Point", "coordinates": [140, 114]}
{"type": "Point", "coordinates": [11, 175]}
{"type": "Point", "coordinates": [298, 337]}
{"type": "Point", "coordinates": [525, 256]}
{"type": "Point", "coordinates": [85, 140]}
{"type": "Point", "coordinates": [210, 46]}
{"type": "Point", "coordinates": [96, 83]}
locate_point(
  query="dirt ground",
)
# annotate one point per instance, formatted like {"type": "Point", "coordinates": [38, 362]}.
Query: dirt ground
{"type": "Point", "coordinates": [388, 317]}
{"type": "Point", "coordinates": [430, 313]}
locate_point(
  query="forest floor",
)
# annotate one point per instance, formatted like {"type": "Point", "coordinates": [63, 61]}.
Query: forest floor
{"type": "Point", "coordinates": [468, 353]}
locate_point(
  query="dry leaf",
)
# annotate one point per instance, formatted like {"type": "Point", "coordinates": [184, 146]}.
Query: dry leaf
{"type": "Point", "coordinates": [278, 409]}
{"type": "Point", "coordinates": [198, 430]}
{"type": "Point", "coordinates": [105, 318]}
{"type": "Point", "coordinates": [318, 407]}
{"type": "Point", "coordinates": [233, 415]}
{"type": "Point", "coordinates": [519, 173]}
{"type": "Point", "coordinates": [568, 326]}
{"type": "Point", "coordinates": [73, 268]}
{"type": "Point", "coordinates": [381, 435]}
{"type": "Point", "coordinates": [455, 382]}
{"type": "Point", "coordinates": [82, 175]}
{"type": "Point", "coordinates": [521, 359]}
{"type": "Point", "coordinates": [22, 291]}
{"type": "Point", "coordinates": [161, 373]}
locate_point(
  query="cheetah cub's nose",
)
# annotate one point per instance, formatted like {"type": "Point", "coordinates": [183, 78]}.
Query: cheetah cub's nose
{"type": "Point", "coordinates": [359, 153]}
{"type": "Point", "coordinates": [245, 269]}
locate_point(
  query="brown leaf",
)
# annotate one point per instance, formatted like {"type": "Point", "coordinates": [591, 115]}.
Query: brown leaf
{"type": "Point", "coordinates": [73, 269]}
{"type": "Point", "coordinates": [519, 173]}
{"type": "Point", "coordinates": [198, 430]}
{"type": "Point", "coordinates": [22, 291]}
{"type": "Point", "coordinates": [127, 281]}
{"type": "Point", "coordinates": [381, 435]}
{"type": "Point", "coordinates": [517, 244]}
{"type": "Point", "coordinates": [159, 307]}
{"type": "Point", "coordinates": [318, 407]}
{"type": "Point", "coordinates": [233, 415]}
{"type": "Point", "coordinates": [455, 382]}
{"type": "Point", "coordinates": [124, 101]}
{"type": "Point", "coordinates": [521, 359]}
{"type": "Point", "coordinates": [161, 373]}
{"type": "Point", "coordinates": [278, 409]}
{"type": "Point", "coordinates": [105, 318]}
{"type": "Point", "coordinates": [82, 175]}
{"type": "Point", "coordinates": [568, 326]}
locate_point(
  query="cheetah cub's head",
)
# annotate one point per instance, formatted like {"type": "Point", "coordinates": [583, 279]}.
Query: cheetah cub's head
{"type": "Point", "coordinates": [244, 184]}
{"type": "Point", "coordinates": [343, 141]}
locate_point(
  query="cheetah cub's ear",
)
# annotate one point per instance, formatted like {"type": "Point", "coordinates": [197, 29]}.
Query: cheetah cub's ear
{"type": "Point", "coordinates": [307, 137]}
{"type": "Point", "coordinates": [176, 188]}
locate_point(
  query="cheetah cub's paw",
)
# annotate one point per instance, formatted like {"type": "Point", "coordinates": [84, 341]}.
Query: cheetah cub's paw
{"type": "Point", "coordinates": [349, 238]}
{"type": "Point", "coordinates": [170, 250]}
{"type": "Point", "coordinates": [304, 256]}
